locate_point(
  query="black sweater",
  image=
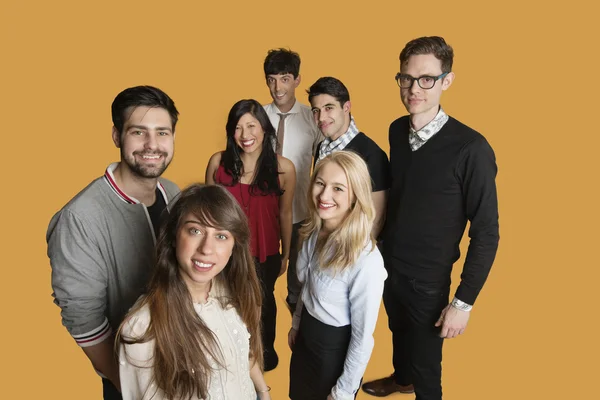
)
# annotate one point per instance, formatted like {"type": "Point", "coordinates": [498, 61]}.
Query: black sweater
{"type": "Point", "coordinates": [374, 156]}
{"type": "Point", "coordinates": [435, 190]}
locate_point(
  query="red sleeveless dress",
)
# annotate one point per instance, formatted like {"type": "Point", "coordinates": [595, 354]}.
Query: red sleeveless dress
{"type": "Point", "coordinates": [262, 212]}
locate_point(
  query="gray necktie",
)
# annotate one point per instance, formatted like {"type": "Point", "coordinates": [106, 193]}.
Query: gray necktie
{"type": "Point", "coordinates": [280, 132]}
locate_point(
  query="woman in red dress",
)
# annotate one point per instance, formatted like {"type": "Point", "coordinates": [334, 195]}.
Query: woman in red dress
{"type": "Point", "coordinates": [263, 183]}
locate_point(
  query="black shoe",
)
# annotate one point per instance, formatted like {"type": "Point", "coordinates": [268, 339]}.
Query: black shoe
{"type": "Point", "coordinates": [271, 360]}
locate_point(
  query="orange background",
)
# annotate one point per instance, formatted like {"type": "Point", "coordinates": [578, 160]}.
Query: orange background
{"type": "Point", "coordinates": [526, 77]}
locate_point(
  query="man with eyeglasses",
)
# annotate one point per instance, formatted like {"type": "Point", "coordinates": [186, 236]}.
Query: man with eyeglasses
{"type": "Point", "coordinates": [443, 175]}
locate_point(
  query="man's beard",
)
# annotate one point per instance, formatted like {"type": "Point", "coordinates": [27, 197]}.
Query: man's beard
{"type": "Point", "coordinates": [144, 171]}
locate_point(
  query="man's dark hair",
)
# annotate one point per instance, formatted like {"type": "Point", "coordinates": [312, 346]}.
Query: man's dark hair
{"type": "Point", "coordinates": [148, 96]}
{"type": "Point", "coordinates": [331, 86]}
{"type": "Point", "coordinates": [435, 45]}
{"type": "Point", "coordinates": [282, 61]}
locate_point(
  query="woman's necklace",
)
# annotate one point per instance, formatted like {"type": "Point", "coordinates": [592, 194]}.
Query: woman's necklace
{"type": "Point", "coordinates": [244, 204]}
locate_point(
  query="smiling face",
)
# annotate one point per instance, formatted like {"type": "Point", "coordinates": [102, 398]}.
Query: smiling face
{"type": "Point", "coordinates": [332, 195]}
{"type": "Point", "coordinates": [202, 251]}
{"type": "Point", "coordinates": [283, 90]}
{"type": "Point", "coordinates": [249, 134]}
{"type": "Point", "coordinates": [332, 118]}
{"type": "Point", "coordinates": [146, 142]}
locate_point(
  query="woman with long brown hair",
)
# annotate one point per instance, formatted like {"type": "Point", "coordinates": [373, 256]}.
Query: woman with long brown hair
{"type": "Point", "coordinates": [196, 333]}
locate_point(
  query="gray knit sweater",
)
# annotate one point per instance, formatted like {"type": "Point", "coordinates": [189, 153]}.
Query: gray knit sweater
{"type": "Point", "coordinates": [101, 250]}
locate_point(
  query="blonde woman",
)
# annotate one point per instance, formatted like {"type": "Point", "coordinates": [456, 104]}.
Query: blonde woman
{"type": "Point", "coordinates": [342, 276]}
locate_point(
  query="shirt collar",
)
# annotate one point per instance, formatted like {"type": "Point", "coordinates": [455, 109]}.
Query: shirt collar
{"type": "Point", "coordinates": [216, 293]}
{"type": "Point", "coordinates": [109, 178]}
{"type": "Point", "coordinates": [345, 138]}
{"type": "Point", "coordinates": [294, 110]}
{"type": "Point", "coordinates": [433, 127]}
{"type": "Point", "coordinates": [328, 146]}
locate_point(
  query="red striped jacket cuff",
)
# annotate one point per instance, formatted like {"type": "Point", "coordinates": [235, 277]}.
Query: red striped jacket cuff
{"type": "Point", "coordinates": [95, 336]}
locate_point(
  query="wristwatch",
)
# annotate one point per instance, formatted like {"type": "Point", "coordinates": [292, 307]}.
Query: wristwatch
{"type": "Point", "coordinates": [461, 305]}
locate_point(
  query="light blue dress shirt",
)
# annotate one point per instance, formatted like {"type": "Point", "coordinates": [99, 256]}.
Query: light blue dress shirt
{"type": "Point", "coordinates": [338, 298]}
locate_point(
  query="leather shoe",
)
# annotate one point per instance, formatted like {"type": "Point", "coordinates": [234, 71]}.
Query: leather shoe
{"type": "Point", "coordinates": [386, 386]}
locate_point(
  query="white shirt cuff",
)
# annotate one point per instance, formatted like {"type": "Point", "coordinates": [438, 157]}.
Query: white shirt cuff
{"type": "Point", "coordinates": [461, 305]}
{"type": "Point", "coordinates": [338, 394]}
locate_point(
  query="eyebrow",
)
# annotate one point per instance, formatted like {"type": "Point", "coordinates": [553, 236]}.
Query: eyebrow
{"type": "Point", "coordinates": [326, 105]}
{"type": "Point", "coordinates": [216, 228]}
{"type": "Point", "coordinates": [421, 76]}
{"type": "Point", "coordinates": [286, 75]}
{"type": "Point", "coordinates": [158, 128]}
{"type": "Point", "coordinates": [334, 183]}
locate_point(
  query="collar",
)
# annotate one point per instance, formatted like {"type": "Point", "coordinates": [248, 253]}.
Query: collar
{"type": "Point", "coordinates": [416, 139]}
{"type": "Point", "coordinates": [215, 294]}
{"type": "Point", "coordinates": [327, 146]}
{"type": "Point", "coordinates": [109, 178]}
{"type": "Point", "coordinates": [294, 110]}
{"type": "Point", "coordinates": [432, 127]}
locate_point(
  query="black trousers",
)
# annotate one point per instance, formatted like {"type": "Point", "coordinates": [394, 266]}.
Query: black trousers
{"type": "Point", "coordinates": [109, 391]}
{"type": "Point", "coordinates": [267, 274]}
{"type": "Point", "coordinates": [317, 358]}
{"type": "Point", "coordinates": [293, 285]}
{"type": "Point", "coordinates": [413, 307]}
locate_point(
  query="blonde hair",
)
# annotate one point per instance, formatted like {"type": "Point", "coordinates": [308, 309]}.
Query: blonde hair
{"type": "Point", "coordinates": [345, 244]}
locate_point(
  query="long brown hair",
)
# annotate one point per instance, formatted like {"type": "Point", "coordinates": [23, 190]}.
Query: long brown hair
{"type": "Point", "coordinates": [182, 341]}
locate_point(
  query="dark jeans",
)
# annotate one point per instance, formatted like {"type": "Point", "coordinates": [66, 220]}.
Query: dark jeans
{"type": "Point", "coordinates": [267, 274]}
{"type": "Point", "coordinates": [109, 391]}
{"type": "Point", "coordinates": [293, 285]}
{"type": "Point", "coordinates": [413, 307]}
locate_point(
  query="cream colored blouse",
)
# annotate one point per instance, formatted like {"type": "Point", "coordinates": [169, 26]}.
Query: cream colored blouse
{"type": "Point", "coordinates": [234, 383]}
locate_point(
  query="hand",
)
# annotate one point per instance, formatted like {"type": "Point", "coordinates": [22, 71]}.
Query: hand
{"type": "Point", "coordinates": [292, 338]}
{"type": "Point", "coordinates": [329, 397]}
{"type": "Point", "coordinates": [453, 322]}
{"type": "Point", "coordinates": [284, 264]}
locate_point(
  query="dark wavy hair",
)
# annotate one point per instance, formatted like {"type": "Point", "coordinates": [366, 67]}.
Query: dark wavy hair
{"type": "Point", "coordinates": [282, 61]}
{"type": "Point", "coordinates": [182, 341]}
{"type": "Point", "coordinates": [266, 178]}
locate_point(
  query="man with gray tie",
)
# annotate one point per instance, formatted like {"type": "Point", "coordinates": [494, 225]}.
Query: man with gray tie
{"type": "Point", "coordinates": [297, 140]}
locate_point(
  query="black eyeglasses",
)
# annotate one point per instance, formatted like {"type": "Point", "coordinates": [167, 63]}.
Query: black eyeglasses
{"type": "Point", "coordinates": [425, 81]}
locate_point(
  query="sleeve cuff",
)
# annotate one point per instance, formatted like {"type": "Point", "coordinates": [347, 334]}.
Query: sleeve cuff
{"type": "Point", "coordinates": [461, 305]}
{"type": "Point", "coordinates": [339, 394]}
{"type": "Point", "coordinates": [466, 293]}
{"type": "Point", "coordinates": [95, 336]}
